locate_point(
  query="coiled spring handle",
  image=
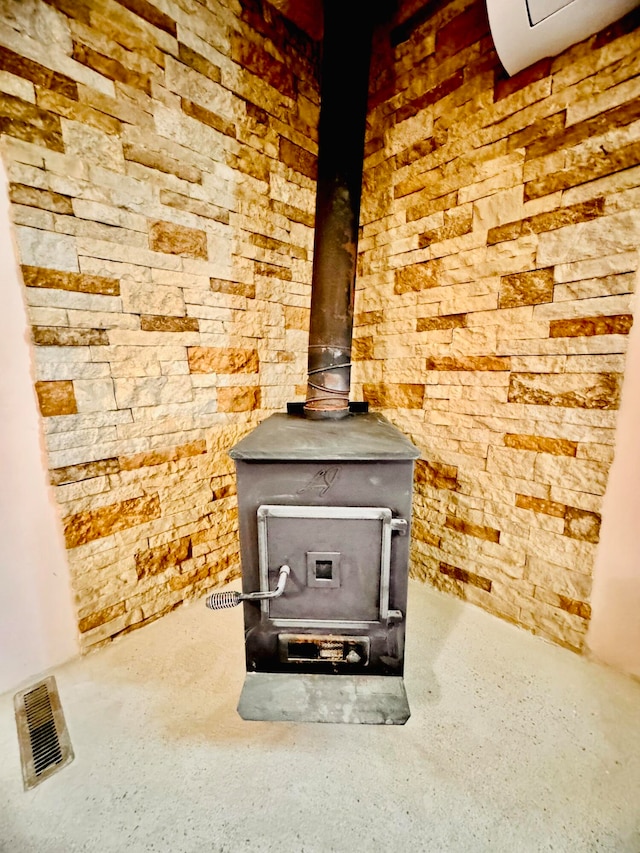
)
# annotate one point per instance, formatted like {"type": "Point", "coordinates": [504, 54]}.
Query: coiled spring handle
{"type": "Point", "coordinates": [222, 600]}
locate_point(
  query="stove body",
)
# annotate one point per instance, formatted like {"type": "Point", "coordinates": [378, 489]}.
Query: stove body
{"type": "Point", "coordinates": [331, 500]}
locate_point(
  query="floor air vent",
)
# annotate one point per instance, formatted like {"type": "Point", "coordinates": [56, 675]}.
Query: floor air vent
{"type": "Point", "coordinates": [44, 741]}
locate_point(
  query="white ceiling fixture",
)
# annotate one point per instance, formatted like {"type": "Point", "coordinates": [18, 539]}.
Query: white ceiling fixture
{"type": "Point", "coordinates": [525, 31]}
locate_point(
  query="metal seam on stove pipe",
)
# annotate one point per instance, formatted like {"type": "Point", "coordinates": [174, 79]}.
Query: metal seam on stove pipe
{"type": "Point", "coordinates": [329, 367]}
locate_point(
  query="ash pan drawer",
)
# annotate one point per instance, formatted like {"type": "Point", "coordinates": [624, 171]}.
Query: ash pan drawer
{"type": "Point", "coordinates": [326, 648]}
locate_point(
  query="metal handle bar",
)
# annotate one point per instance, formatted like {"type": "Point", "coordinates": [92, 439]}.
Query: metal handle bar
{"type": "Point", "coordinates": [222, 600]}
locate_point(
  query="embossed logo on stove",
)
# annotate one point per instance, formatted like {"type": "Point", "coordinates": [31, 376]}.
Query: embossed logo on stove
{"type": "Point", "coordinates": [321, 481]}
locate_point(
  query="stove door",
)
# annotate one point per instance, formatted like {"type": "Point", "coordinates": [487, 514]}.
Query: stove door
{"type": "Point", "coordinates": [339, 559]}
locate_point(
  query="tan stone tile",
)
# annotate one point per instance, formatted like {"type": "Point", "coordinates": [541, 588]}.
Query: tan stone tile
{"type": "Point", "coordinates": [161, 162]}
{"type": "Point", "coordinates": [240, 399]}
{"type": "Point", "coordinates": [156, 323]}
{"type": "Point", "coordinates": [539, 364]}
{"type": "Point", "coordinates": [542, 444]}
{"type": "Point", "coordinates": [469, 529]}
{"type": "Point", "coordinates": [595, 166]}
{"type": "Point", "coordinates": [542, 506]}
{"type": "Point", "coordinates": [468, 363]}
{"type": "Point", "coordinates": [576, 474]}
{"type": "Point", "coordinates": [555, 625]}
{"type": "Point", "coordinates": [564, 602]}
{"type": "Point", "coordinates": [598, 308]}
{"type": "Point", "coordinates": [562, 550]}
{"type": "Point", "coordinates": [56, 398]}
{"type": "Point", "coordinates": [138, 297]}
{"type": "Point", "coordinates": [619, 324]}
{"type": "Point", "coordinates": [402, 395]}
{"type": "Point", "coordinates": [110, 214]}
{"type": "Point", "coordinates": [582, 524]}
{"type": "Point", "coordinates": [209, 117]}
{"type": "Point", "coordinates": [601, 237]}
{"type": "Point", "coordinates": [33, 197]}
{"type": "Point", "coordinates": [47, 316]}
{"type": "Point", "coordinates": [80, 495]}
{"type": "Point", "coordinates": [507, 179]}
{"type": "Point", "coordinates": [92, 146]}
{"type": "Point", "coordinates": [16, 85]}
{"type": "Point", "coordinates": [53, 336]}
{"type": "Point", "coordinates": [595, 364]}
{"type": "Point", "coordinates": [592, 391]}
{"type": "Point", "coordinates": [605, 186]}
{"type": "Point", "coordinates": [628, 199]}
{"type": "Point", "coordinates": [218, 360]}
{"type": "Point", "coordinates": [615, 264]}
{"type": "Point", "coordinates": [86, 526]}
{"type": "Point", "coordinates": [492, 603]}
{"type": "Point", "coordinates": [607, 49]}
{"type": "Point", "coordinates": [625, 92]}
{"type": "Point", "coordinates": [552, 220]}
{"type": "Point", "coordinates": [94, 395]}
{"type": "Point", "coordinates": [45, 249]}
{"type": "Point", "coordinates": [194, 205]}
{"type": "Point", "coordinates": [578, 499]}
{"type": "Point", "coordinates": [493, 210]}
{"type": "Point", "coordinates": [435, 475]}
{"type": "Point", "coordinates": [608, 285]}
{"type": "Point", "coordinates": [548, 203]}
{"type": "Point", "coordinates": [86, 471]}
{"type": "Point", "coordinates": [152, 391]}
{"type": "Point", "coordinates": [465, 576]}
{"type": "Point", "coordinates": [162, 456]}
{"type": "Point", "coordinates": [510, 462]}
{"type": "Point", "coordinates": [596, 452]}
{"type": "Point", "coordinates": [592, 345]}
{"type": "Point", "coordinates": [177, 240]}
{"type": "Point", "coordinates": [528, 288]}
{"type": "Point", "coordinates": [559, 579]}
{"type": "Point", "coordinates": [523, 331]}
{"type": "Point", "coordinates": [33, 217]}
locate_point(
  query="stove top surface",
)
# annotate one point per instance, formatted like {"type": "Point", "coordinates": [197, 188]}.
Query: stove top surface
{"type": "Point", "coordinates": [362, 436]}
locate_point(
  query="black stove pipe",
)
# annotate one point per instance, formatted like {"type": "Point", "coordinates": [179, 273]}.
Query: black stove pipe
{"type": "Point", "coordinates": [344, 84]}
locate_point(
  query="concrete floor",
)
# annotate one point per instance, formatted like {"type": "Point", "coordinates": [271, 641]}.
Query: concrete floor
{"type": "Point", "coordinates": [513, 745]}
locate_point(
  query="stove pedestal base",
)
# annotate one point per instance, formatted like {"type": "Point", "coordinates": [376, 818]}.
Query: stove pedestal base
{"type": "Point", "coordinates": [304, 698]}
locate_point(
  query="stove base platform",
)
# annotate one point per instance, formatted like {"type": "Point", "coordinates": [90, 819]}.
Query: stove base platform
{"type": "Point", "coordinates": [304, 698]}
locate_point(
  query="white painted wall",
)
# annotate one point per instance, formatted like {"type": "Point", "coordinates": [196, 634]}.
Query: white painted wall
{"type": "Point", "coordinates": [614, 633]}
{"type": "Point", "coordinates": [37, 625]}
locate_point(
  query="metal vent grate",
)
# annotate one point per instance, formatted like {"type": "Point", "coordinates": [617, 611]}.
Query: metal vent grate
{"type": "Point", "coordinates": [44, 741]}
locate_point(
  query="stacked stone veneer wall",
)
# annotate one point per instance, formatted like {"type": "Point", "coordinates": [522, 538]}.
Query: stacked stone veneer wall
{"type": "Point", "coordinates": [501, 220]}
{"type": "Point", "coordinates": [161, 158]}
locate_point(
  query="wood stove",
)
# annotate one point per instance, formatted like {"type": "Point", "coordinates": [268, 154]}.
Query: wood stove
{"type": "Point", "coordinates": [324, 491]}
{"type": "Point", "coordinates": [330, 500]}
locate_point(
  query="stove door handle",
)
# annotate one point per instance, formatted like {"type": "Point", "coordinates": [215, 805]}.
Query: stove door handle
{"type": "Point", "coordinates": [276, 593]}
{"type": "Point", "coordinates": [222, 600]}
